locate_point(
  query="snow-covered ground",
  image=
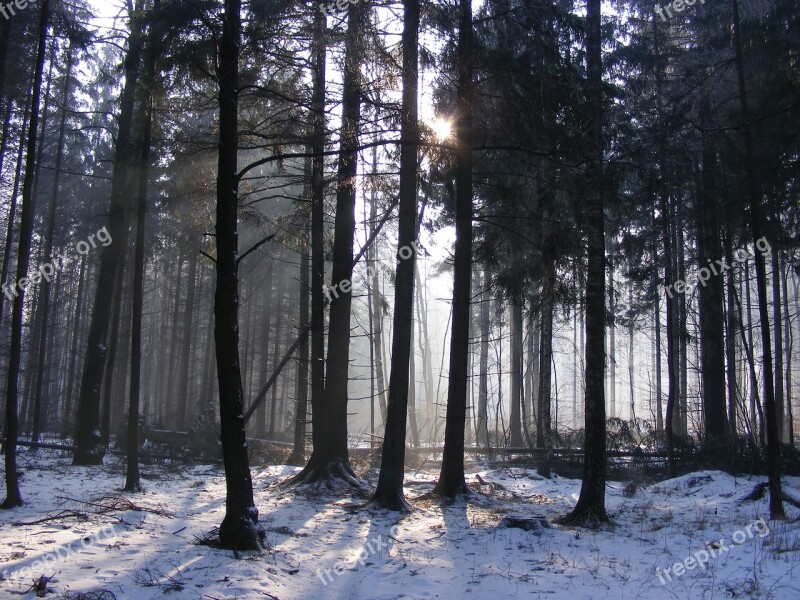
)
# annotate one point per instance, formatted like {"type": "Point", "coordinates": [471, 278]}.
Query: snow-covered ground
{"type": "Point", "coordinates": [323, 546]}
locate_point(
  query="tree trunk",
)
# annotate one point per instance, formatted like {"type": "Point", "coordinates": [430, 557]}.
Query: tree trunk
{"type": "Point", "coordinates": [12, 212]}
{"type": "Point", "coordinates": [7, 120]}
{"type": "Point", "coordinates": [730, 341]}
{"type": "Point", "coordinates": [778, 320]}
{"type": "Point", "coordinates": [425, 348]}
{"type": "Point", "coordinates": [773, 443]}
{"type": "Point", "coordinates": [318, 231]}
{"type": "Point", "coordinates": [377, 326]}
{"type": "Point", "coordinates": [657, 356]}
{"type": "Point", "coordinates": [389, 493]}
{"type": "Point", "coordinates": [330, 455]}
{"type": "Point", "coordinates": [412, 383]}
{"type": "Point", "coordinates": [682, 333]}
{"type": "Point", "coordinates": [13, 496]}
{"type": "Point", "coordinates": [546, 356]}
{"type": "Point", "coordinates": [612, 343]}
{"type": "Point", "coordinates": [240, 529]}
{"type": "Point", "coordinates": [132, 480]}
{"type": "Point", "coordinates": [276, 354]}
{"type": "Point", "coordinates": [666, 236]}
{"type": "Point", "coordinates": [41, 403]}
{"type": "Point", "coordinates": [631, 370]}
{"type": "Point", "coordinates": [591, 503]}
{"type": "Point", "coordinates": [298, 457]}
{"type": "Point", "coordinates": [787, 349]}
{"type": "Point", "coordinates": [66, 418]}
{"type": "Point", "coordinates": [451, 478]}
{"type": "Point", "coordinates": [710, 292]}
{"type": "Point", "coordinates": [109, 401]}
{"type": "Point", "coordinates": [186, 344]}
{"type": "Point", "coordinates": [89, 447]}
{"type": "Point", "coordinates": [483, 377]}
{"type": "Point", "coordinates": [516, 440]}
{"type": "Point", "coordinates": [170, 350]}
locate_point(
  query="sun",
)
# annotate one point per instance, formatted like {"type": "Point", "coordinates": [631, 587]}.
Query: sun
{"type": "Point", "coordinates": [442, 128]}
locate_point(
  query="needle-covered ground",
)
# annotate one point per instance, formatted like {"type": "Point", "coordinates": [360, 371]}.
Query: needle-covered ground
{"type": "Point", "coordinates": [80, 532]}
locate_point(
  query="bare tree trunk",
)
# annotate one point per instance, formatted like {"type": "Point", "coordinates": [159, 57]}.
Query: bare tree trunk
{"type": "Point", "coordinates": [412, 384]}
{"type": "Point", "coordinates": [41, 403]}
{"type": "Point", "coordinates": [591, 503]}
{"type": "Point", "coordinates": [276, 356]}
{"type": "Point", "coordinates": [710, 296]}
{"type": "Point", "coordinates": [389, 492]}
{"type": "Point", "coordinates": [515, 440]}
{"type": "Point", "coordinates": [318, 228]}
{"type": "Point", "coordinates": [374, 299]}
{"type": "Point", "coordinates": [682, 322]}
{"type": "Point", "coordinates": [66, 419]}
{"type": "Point", "coordinates": [787, 349]}
{"type": "Point", "coordinates": [12, 210]}
{"type": "Point", "coordinates": [666, 235]}
{"type": "Point", "coordinates": [657, 359]}
{"type": "Point", "coordinates": [132, 480]}
{"type": "Point", "coordinates": [483, 376]}
{"type": "Point", "coordinates": [773, 443]}
{"type": "Point", "coordinates": [546, 356]}
{"type": "Point", "coordinates": [631, 370]}
{"type": "Point", "coordinates": [112, 362]}
{"type": "Point", "coordinates": [778, 320]}
{"type": "Point", "coordinates": [730, 341]}
{"type": "Point", "coordinates": [240, 529]}
{"type": "Point", "coordinates": [298, 457]}
{"type": "Point", "coordinates": [330, 455]}
{"type": "Point", "coordinates": [425, 347]}
{"type": "Point", "coordinates": [186, 344]}
{"type": "Point", "coordinates": [451, 478]}
{"type": "Point", "coordinates": [13, 496]}
{"type": "Point", "coordinates": [89, 447]}
{"type": "Point", "coordinates": [612, 344]}
{"type": "Point", "coordinates": [170, 350]}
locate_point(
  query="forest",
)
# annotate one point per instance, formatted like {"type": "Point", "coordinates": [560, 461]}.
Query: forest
{"type": "Point", "coordinates": [389, 300]}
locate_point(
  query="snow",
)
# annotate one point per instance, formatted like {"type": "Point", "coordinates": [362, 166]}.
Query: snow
{"type": "Point", "coordinates": [325, 545]}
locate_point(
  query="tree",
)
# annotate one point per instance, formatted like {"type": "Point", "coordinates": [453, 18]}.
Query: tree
{"type": "Point", "coordinates": [41, 402]}
{"type": "Point", "coordinates": [591, 502]}
{"type": "Point", "coordinates": [451, 481]}
{"type": "Point", "coordinates": [329, 457]}
{"type": "Point", "coordinates": [132, 481]}
{"type": "Point", "coordinates": [13, 496]}
{"type": "Point", "coordinates": [240, 529]}
{"type": "Point", "coordinates": [712, 322]}
{"type": "Point", "coordinates": [89, 447]}
{"type": "Point", "coordinates": [389, 493]}
{"type": "Point", "coordinates": [773, 441]}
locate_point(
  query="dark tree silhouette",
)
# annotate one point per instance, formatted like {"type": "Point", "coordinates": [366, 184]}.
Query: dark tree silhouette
{"type": "Point", "coordinates": [389, 492]}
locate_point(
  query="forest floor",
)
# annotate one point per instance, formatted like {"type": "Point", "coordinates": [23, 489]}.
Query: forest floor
{"type": "Point", "coordinates": [81, 532]}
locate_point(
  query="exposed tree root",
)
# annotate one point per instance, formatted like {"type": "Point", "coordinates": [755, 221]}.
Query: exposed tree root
{"type": "Point", "coordinates": [390, 501]}
{"type": "Point", "coordinates": [241, 532]}
{"type": "Point", "coordinates": [756, 494]}
{"type": "Point", "coordinates": [328, 473]}
{"type": "Point", "coordinates": [587, 516]}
